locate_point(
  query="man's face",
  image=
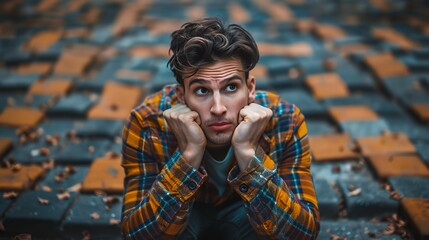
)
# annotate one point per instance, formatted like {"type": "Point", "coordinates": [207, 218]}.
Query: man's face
{"type": "Point", "coordinates": [217, 92]}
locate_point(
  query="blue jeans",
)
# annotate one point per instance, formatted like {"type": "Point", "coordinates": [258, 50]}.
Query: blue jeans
{"type": "Point", "coordinates": [226, 222]}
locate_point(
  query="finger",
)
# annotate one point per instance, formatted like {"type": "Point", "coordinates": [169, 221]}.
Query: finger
{"type": "Point", "coordinates": [195, 117]}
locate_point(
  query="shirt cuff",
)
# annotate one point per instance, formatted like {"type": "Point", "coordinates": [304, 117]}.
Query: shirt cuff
{"type": "Point", "coordinates": [248, 182]}
{"type": "Point", "coordinates": [180, 179]}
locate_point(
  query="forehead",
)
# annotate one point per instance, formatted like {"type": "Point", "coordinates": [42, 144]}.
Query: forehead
{"type": "Point", "coordinates": [218, 71]}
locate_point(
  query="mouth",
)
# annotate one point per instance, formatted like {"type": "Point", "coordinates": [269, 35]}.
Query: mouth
{"type": "Point", "coordinates": [220, 126]}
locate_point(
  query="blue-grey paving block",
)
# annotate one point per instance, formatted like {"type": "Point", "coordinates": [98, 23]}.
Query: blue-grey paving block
{"type": "Point", "coordinates": [319, 127]}
{"type": "Point", "coordinates": [415, 65]}
{"type": "Point", "coordinates": [60, 127]}
{"type": "Point", "coordinates": [312, 65]}
{"type": "Point", "coordinates": [414, 130]}
{"type": "Point", "coordinates": [4, 204]}
{"type": "Point", "coordinates": [410, 187]}
{"type": "Point", "coordinates": [354, 229]}
{"type": "Point", "coordinates": [358, 129]}
{"type": "Point", "coordinates": [372, 201]}
{"type": "Point", "coordinates": [116, 148]}
{"type": "Point", "coordinates": [68, 179]}
{"type": "Point", "coordinates": [83, 152]}
{"type": "Point", "coordinates": [28, 215]}
{"type": "Point", "coordinates": [309, 106]}
{"type": "Point", "coordinates": [328, 199]}
{"type": "Point", "coordinates": [79, 218]}
{"type": "Point", "coordinates": [344, 170]}
{"type": "Point", "coordinates": [29, 152]}
{"type": "Point", "coordinates": [13, 56]}
{"type": "Point", "coordinates": [423, 150]}
{"type": "Point", "coordinates": [162, 77]}
{"type": "Point", "coordinates": [402, 85]}
{"type": "Point", "coordinates": [100, 128]}
{"type": "Point", "coordinates": [279, 68]}
{"type": "Point", "coordinates": [75, 105]}
{"type": "Point", "coordinates": [18, 81]}
{"type": "Point", "coordinates": [10, 133]}
{"type": "Point", "coordinates": [356, 79]}
{"type": "Point", "coordinates": [101, 34]}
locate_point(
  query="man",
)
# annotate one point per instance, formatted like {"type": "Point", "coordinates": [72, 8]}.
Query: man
{"type": "Point", "coordinates": [212, 158]}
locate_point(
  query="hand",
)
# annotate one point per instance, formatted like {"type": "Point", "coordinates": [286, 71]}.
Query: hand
{"type": "Point", "coordinates": [253, 119]}
{"type": "Point", "coordinates": [185, 125]}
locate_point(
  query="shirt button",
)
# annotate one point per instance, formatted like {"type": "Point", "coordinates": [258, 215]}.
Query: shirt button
{"type": "Point", "coordinates": [243, 188]}
{"type": "Point", "coordinates": [192, 185]}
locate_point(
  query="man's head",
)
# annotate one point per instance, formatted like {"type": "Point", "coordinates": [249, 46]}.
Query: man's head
{"type": "Point", "coordinates": [212, 63]}
{"type": "Point", "coordinates": [206, 41]}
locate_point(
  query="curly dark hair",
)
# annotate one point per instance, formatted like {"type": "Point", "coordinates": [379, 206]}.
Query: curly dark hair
{"type": "Point", "coordinates": [205, 41]}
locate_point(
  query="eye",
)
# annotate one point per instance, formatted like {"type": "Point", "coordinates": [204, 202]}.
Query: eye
{"type": "Point", "coordinates": [201, 91]}
{"type": "Point", "coordinates": [231, 88]}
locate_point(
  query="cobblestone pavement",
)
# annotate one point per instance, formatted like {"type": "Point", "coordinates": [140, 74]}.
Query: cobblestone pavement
{"type": "Point", "coordinates": [70, 71]}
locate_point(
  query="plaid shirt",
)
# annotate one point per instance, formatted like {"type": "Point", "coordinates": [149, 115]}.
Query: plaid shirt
{"type": "Point", "coordinates": [161, 187]}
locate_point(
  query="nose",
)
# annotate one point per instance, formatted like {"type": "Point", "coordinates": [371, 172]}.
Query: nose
{"type": "Point", "coordinates": [217, 108]}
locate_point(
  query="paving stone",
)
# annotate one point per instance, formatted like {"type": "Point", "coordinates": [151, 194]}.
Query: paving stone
{"type": "Point", "coordinates": [366, 199]}
{"type": "Point", "coordinates": [51, 87]}
{"type": "Point", "coordinates": [359, 129]}
{"type": "Point", "coordinates": [417, 211]}
{"type": "Point", "coordinates": [9, 133]}
{"type": "Point", "coordinates": [352, 113]}
{"type": "Point", "coordinates": [93, 214]}
{"type": "Point", "coordinates": [60, 127]}
{"type": "Point", "coordinates": [423, 150]}
{"type": "Point", "coordinates": [328, 199]}
{"type": "Point", "coordinates": [356, 80]}
{"type": "Point", "coordinates": [5, 203]}
{"type": "Point", "coordinates": [421, 111]}
{"type": "Point", "coordinates": [385, 65]}
{"type": "Point", "coordinates": [33, 152]}
{"type": "Point", "coordinates": [104, 128]}
{"type": "Point", "coordinates": [341, 171]}
{"type": "Point", "coordinates": [75, 105]}
{"type": "Point", "coordinates": [354, 229]}
{"type": "Point", "coordinates": [20, 117]}
{"type": "Point", "coordinates": [32, 214]}
{"type": "Point", "coordinates": [75, 61]}
{"type": "Point", "coordinates": [327, 85]}
{"type": "Point", "coordinates": [105, 174]}
{"type": "Point", "coordinates": [116, 102]}
{"type": "Point", "coordinates": [83, 152]}
{"type": "Point", "coordinates": [410, 186]}
{"type": "Point", "coordinates": [328, 32]}
{"type": "Point", "coordinates": [399, 165]}
{"type": "Point", "coordinates": [62, 178]}
{"type": "Point", "coordinates": [413, 130]}
{"type": "Point", "coordinates": [386, 144]}
{"type": "Point", "coordinates": [19, 180]}
{"type": "Point", "coordinates": [18, 81]}
{"type": "Point", "coordinates": [319, 127]}
{"type": "Point", "coordinates": [5, 145]}
{"type": "Point", "coordinates": [308, 105]}
{"type": "Point", "coordinates": [332, 147]}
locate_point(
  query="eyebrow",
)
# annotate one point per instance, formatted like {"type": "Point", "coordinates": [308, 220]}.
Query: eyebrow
{"type": "Point", "coordinates": [205, 81]}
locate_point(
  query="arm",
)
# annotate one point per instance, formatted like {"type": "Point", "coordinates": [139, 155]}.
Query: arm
{"type": "Point", "coordinates": [277, 188]}
{"type": "Point", "coordinates": [157, 197]}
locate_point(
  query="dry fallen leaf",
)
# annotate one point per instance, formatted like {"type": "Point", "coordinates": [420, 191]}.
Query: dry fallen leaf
{"type": "Point", "coordinates": [355, 192]}
{"type": "Point", "coordinates": [10, 195]}
{"type": "Point", "coordinates": [43, 201]}
{"type": "Point", "coordinates": [336, 237]}
{"type": "Point", "coordinates": [95, 215]}
{"type": "Point", "coordinates": [63, 196]}
{"type": "Point", "coordinates": [114, 221]}
{"type": "Point", "coordinates": [47, 188]}
{"type": "Point", "coordinates": [75, 188]}
{"type": "Point", "coordinates": [370, 234]}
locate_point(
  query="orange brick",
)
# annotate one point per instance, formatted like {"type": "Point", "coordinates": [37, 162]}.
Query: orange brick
{"type": "Point", "coordinates": [352, 113]}
{"type": "Point", "coordinates": [386, 144]}
{"type": "Point", "coordinates": [149, 51]}
{"type": "Point", "coordinates": [19, 180]}
{"type": "Point", "coordinates": [238, 13]}
{"type": "Point", "coordinates": [195, 12]}
{"type": "Point", "coordinates": [116, 101]}
{"type": "Point", "coordinates": [421, 111]}
{"type": "Point", "coordinates": [5, 145]}
{"type": "Point", "coordinates": [386, 65]}
{"type": "Point", "coordinates": [20, 117]}
{"type": "Point", "coordinates": [51, 87]}
{"type": "Point", "coordinates": [304, 25]}
{"type": "Point", "coordinates": [105, 174]}
{"type": "Point", "coordinates": [394, 37]}
{"type": "Point", "coordinates": [42, 41]}
{"type": "Point", "coordinates": [291, 50]}
{"type": "Point", "coordinates": [353, 48]}
{"type": "Point", "coordinates": [328, 32]}
{"type": "Point", "coordinates": [327, 85]}
{"type": "Point", "coordinates": [76, 60]}
{"type": "Point", "coordinates": [133, 74]}
{"type": "Point", "coordinates": [417, 212]}
{"type": "Point", "coordinates": [332, 147]}
{"type": "Point", "coordinates": [259, 71]}
{"type": "Point", "coordinates": [35, 68]}
{"type": "Point", "coordinates": [398, 165]}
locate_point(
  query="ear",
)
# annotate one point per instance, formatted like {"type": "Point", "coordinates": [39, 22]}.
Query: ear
{"type": "Point", "coordinates": [251, 85]}
{"type": "Point", "coordinates": [180, 92]}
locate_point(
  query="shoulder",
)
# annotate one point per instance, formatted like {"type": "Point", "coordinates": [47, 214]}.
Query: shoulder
{"type": "Point", "coordinates": [278, 105]}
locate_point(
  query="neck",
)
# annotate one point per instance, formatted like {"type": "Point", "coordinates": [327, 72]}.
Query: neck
{"type": "Point", "coordinates": [218, 153]}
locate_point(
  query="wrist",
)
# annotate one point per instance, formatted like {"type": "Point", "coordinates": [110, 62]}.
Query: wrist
{"type": "Point", "coordinates": [243, 156]}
